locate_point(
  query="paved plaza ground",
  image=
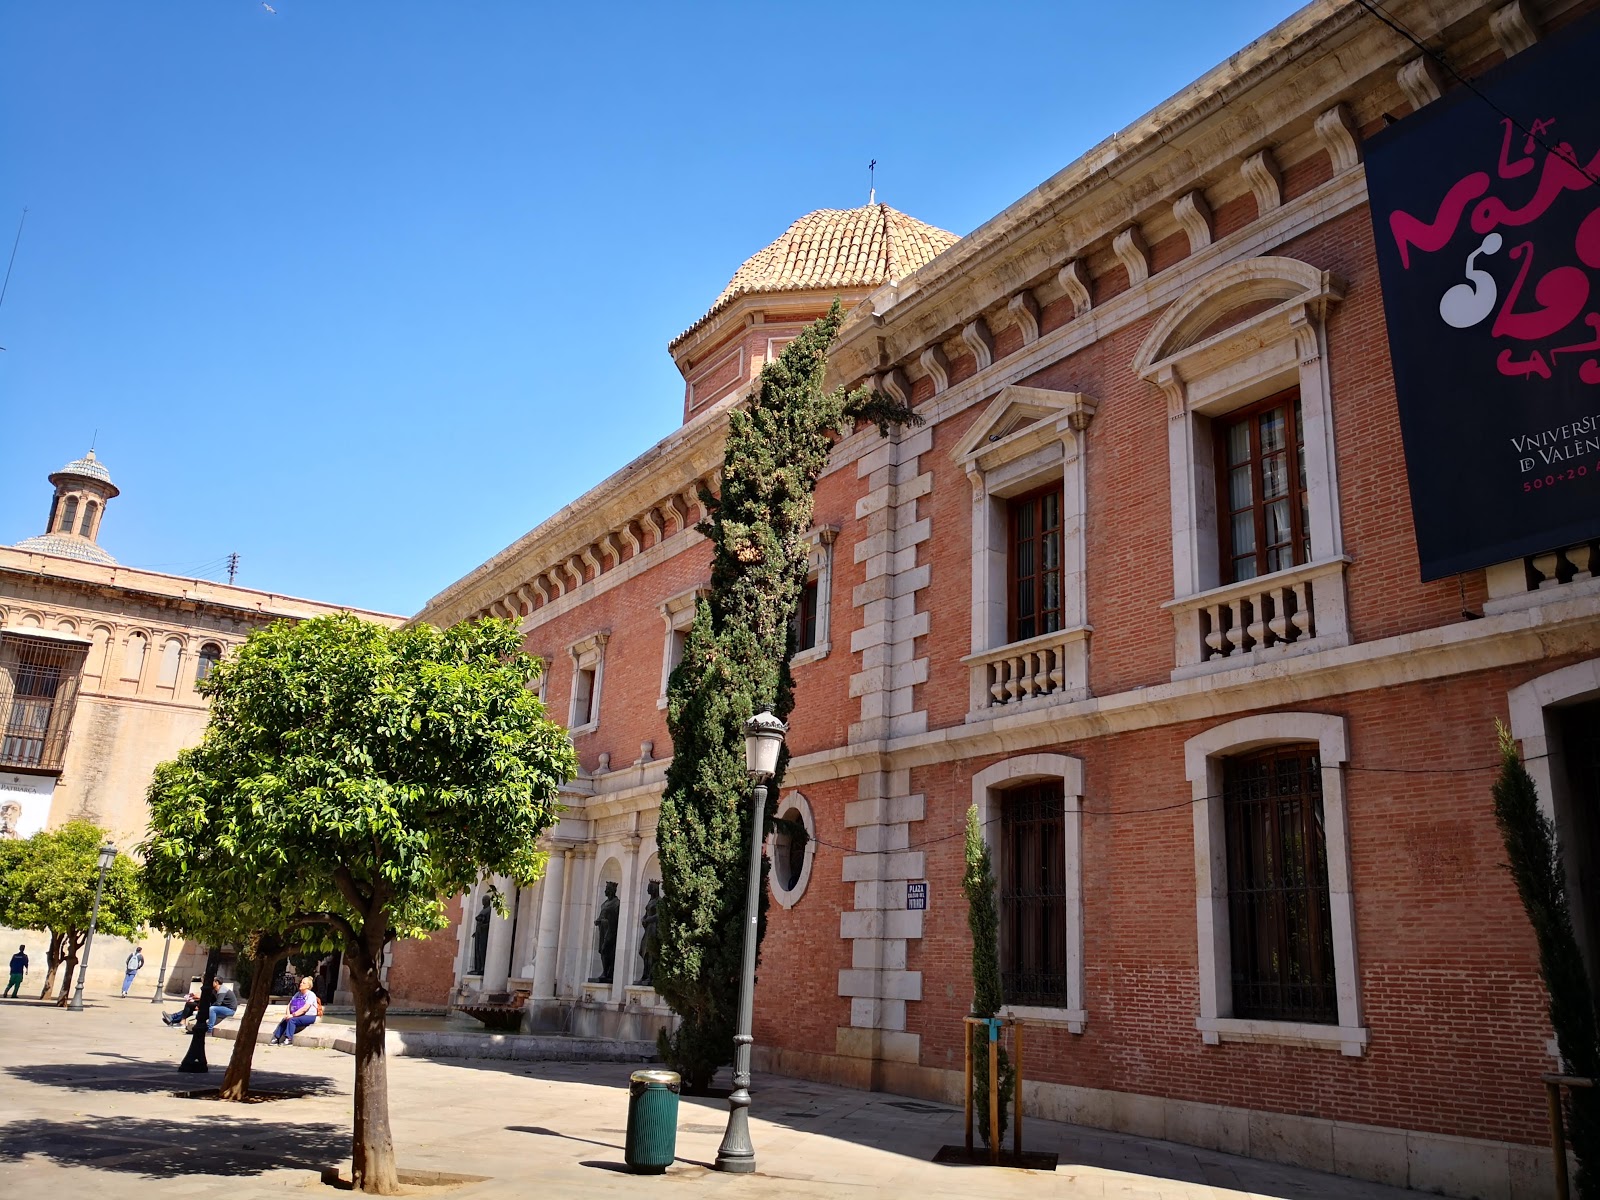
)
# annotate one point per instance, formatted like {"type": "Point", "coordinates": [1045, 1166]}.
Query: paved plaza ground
{"type": "Point", "coordinates": [87, 1110]}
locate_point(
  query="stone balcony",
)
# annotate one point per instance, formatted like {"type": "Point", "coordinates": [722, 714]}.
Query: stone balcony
{"type": "Point", "coordinates": [1048, 669]}
{"type": "Point", "coordinates": [1261, 620]}
{"type": "Point", "coordinates": [1555, 575]}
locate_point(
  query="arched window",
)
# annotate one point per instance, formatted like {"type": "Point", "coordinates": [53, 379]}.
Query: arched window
{"type": "Point", "coordinates": [89, 511]}
{"type": "Point", "coordinates": [171, 657]}
{"type": "Point", "coordinates": [210, 655]}
{"type": "Point", "coordinates": [133, 659]}
{"type": "Point", "coordinates": [69, 515]}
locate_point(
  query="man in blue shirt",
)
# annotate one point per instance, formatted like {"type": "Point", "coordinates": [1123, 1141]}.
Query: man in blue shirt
{"type": "Point", "coordinates": [19, 968]}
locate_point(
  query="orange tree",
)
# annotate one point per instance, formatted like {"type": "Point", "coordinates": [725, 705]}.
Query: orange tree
{"type": "Point", "coordinates": [359, 776]}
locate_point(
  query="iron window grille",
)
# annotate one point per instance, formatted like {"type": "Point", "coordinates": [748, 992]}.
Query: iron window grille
{"type": "Point", "coordinates": [38, 691]}
{"type": "Point", "coordinates": [1033, 898]}
{"type": "Point", "coordinates": [1278, 909]}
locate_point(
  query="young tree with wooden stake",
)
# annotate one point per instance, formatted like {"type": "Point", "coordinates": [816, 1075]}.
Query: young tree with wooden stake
{"type": "Point", "coordinates": [1535, 863]}
{"type": "Point", "coordinates": [736, 663]}
{"type": "Point", "coordinates": [383, 771]}
{"type": "Point", "coordinates": [983, 922]}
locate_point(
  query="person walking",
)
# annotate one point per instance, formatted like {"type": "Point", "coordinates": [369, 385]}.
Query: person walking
{"type": "Point", "coordinates": [134, 965]}
{"type": "Point", "coordinates": [305, 1006]}
{"type": "Point", "coordinates": [19, 968]}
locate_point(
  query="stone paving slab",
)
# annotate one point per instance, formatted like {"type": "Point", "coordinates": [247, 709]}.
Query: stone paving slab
{"type": "Point", "coordinates": [87, 1111]}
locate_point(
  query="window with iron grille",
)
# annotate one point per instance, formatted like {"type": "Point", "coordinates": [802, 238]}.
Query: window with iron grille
{"type": "Point", "coordinates": [805, 618]}
{"type": "Point", "coordinates": [1035, 563]}
{"type": "Point", "coordinates": [1278, 912]}
{"type": "Point", "coordinates": [37, 708]}
{"type": "Point", "coordinates": [1033, 896]}
{"type": "Point", "coordinates": [1262, 489]}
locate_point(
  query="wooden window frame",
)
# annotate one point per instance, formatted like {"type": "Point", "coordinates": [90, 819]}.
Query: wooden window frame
{"type": "Point", "coordinates": [805, 615]}
{"type": "Point", "coordinates": [1040, 612]}
{"type": "Point", "coordinates": [1290, 400]}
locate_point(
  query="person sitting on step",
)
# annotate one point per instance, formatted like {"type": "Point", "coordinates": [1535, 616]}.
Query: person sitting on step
{"type": "Point", "coordinates": [305, 1006]}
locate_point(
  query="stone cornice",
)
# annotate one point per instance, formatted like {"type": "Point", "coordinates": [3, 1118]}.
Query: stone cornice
{"type": "Point", "coordinates": [1276, 88]}
{"type": "Point", "coordinates": [152, 587]}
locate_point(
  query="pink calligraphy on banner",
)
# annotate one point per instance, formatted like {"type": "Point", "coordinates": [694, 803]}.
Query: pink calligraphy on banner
{"type": "Point", "coordinates": [1540, 298]}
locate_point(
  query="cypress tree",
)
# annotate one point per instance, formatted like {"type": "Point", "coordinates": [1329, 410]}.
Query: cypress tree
{"type": "Point", "coordinates": [983, 921]}
{"type": "Point", "coordinates": [735, 664]}
{"type": "Point", "coordinates": [1535, 864]}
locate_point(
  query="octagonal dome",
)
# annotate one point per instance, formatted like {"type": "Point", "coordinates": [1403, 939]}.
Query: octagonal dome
{"type": "Point", "coordinates": [835, 248]}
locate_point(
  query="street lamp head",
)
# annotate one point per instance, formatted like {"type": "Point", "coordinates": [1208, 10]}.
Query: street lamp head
{"type": "Point", "coordinates": [108, 855]}
{"type": "Point", "coordinates": [763, 738]}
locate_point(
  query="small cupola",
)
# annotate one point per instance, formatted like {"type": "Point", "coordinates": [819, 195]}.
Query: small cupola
{"type": "Point", "coordinates": [82, 489]}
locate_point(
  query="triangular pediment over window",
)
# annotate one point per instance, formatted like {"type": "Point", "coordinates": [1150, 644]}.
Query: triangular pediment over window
{"type": "Point", "coordinates": [1017, 421]}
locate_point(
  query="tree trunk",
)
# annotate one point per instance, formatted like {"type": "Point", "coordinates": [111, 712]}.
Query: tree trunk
{"type": "Point", "coordinates": [372, 1165]}
{"type": "Point", "coordinates": [52, 962]}
{"type": "Point", "coordinates": [236, 1081]}
{"type": "Point", "coordinates": [73, 943]}
{"type": "Point", "coordinates": [194, 1062]}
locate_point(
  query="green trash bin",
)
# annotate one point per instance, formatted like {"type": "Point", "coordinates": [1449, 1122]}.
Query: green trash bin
{"type": "Point", "coordinates": [652, 1121]}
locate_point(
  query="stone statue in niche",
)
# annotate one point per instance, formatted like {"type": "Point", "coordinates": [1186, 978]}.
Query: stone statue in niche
{"type": "Point", "coordinates": [650, 939]}
{"type": "Point", "coordinates": [480, 939]}
{"type": "Point", "coordinates": [606, 923]}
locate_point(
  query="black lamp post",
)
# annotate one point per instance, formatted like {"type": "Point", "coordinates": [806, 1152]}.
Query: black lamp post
{"type": "Point", "coordinates": [108, 855]}
{"type": "Point", "coordinates": [763, 739]}
{"type": "Point", "coordinates": [161, 976]}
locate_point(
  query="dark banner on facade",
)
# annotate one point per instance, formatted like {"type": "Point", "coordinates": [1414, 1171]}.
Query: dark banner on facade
{"type": "Point", "coordinates": [1486, 213]}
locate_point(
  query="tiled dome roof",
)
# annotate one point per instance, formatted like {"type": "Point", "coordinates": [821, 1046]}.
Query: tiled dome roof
{"type": "Point", "coordinates": [68, 545]}
{"type": "Point", "coordinates": [87, 467]}
{"type": "Point", "coordinates": [835, 248]}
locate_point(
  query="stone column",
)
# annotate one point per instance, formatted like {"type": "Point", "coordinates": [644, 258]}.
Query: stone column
{"type": "Point", "coordinates": [577, 938]}
{"type": "Point", "coordinates": [497, 962]}
{"type": "Point", "coordinates": [548, 948]}
{"type": "Point", "coordinates": [527, 939]}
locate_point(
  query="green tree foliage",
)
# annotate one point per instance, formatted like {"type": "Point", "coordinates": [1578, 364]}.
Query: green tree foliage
{"type": "Point", "coordinates": [362, 775]}
{"type": "Point", "coordinates": [1535, 863]}
{"type": "Point", "coordinates": [983, 921]}
{"type": "Point", "coordinates": [735, 664]}
{"type": "Point", "coordinates": [47, 882]}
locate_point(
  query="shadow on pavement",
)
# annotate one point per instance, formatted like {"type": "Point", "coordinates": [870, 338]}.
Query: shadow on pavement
{"type": "Point", "coordinates": [134, 1075]}
{"type": "Point", "coordinates": [165, 1149]}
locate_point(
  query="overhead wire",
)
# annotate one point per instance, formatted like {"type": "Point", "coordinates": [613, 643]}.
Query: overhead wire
{"type": "Point", "coordinates": [1376, 10]}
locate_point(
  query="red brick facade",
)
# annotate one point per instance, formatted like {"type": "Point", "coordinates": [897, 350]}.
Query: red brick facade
{"type": "Point", "coordinates": [1442, 1033]}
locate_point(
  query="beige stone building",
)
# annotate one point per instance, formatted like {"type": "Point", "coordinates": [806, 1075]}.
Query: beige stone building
{"type": "Point", "coordinates": [98, 664]}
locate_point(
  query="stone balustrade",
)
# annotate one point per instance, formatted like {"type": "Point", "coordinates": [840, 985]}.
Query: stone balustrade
{"type": "Point", "coordinates": [1554, 575]}
{"type": "Point", "coordinates": [1051, 667]}
{"type": "Point", "coordinates": [1287, 612]}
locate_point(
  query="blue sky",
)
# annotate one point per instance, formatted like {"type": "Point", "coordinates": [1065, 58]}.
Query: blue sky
{"type": "Point", "coordinates": [363, 292]}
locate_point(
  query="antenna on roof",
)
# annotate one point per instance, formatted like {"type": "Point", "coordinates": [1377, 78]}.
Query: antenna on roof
{"type": "Point", "coordinates": [872, 188]}
{"type": "Point", "coordinates": [93, 441]}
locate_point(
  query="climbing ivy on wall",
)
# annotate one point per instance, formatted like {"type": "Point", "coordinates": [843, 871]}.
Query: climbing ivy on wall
{"type": "Point", "coordinates": [735, 664]}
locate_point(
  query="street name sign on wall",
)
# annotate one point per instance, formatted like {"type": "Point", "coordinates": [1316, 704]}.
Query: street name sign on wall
{"type": "Point", "coordinates": [1487, 223]}
{"type": "Point", "coordinates": [916, 895]}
